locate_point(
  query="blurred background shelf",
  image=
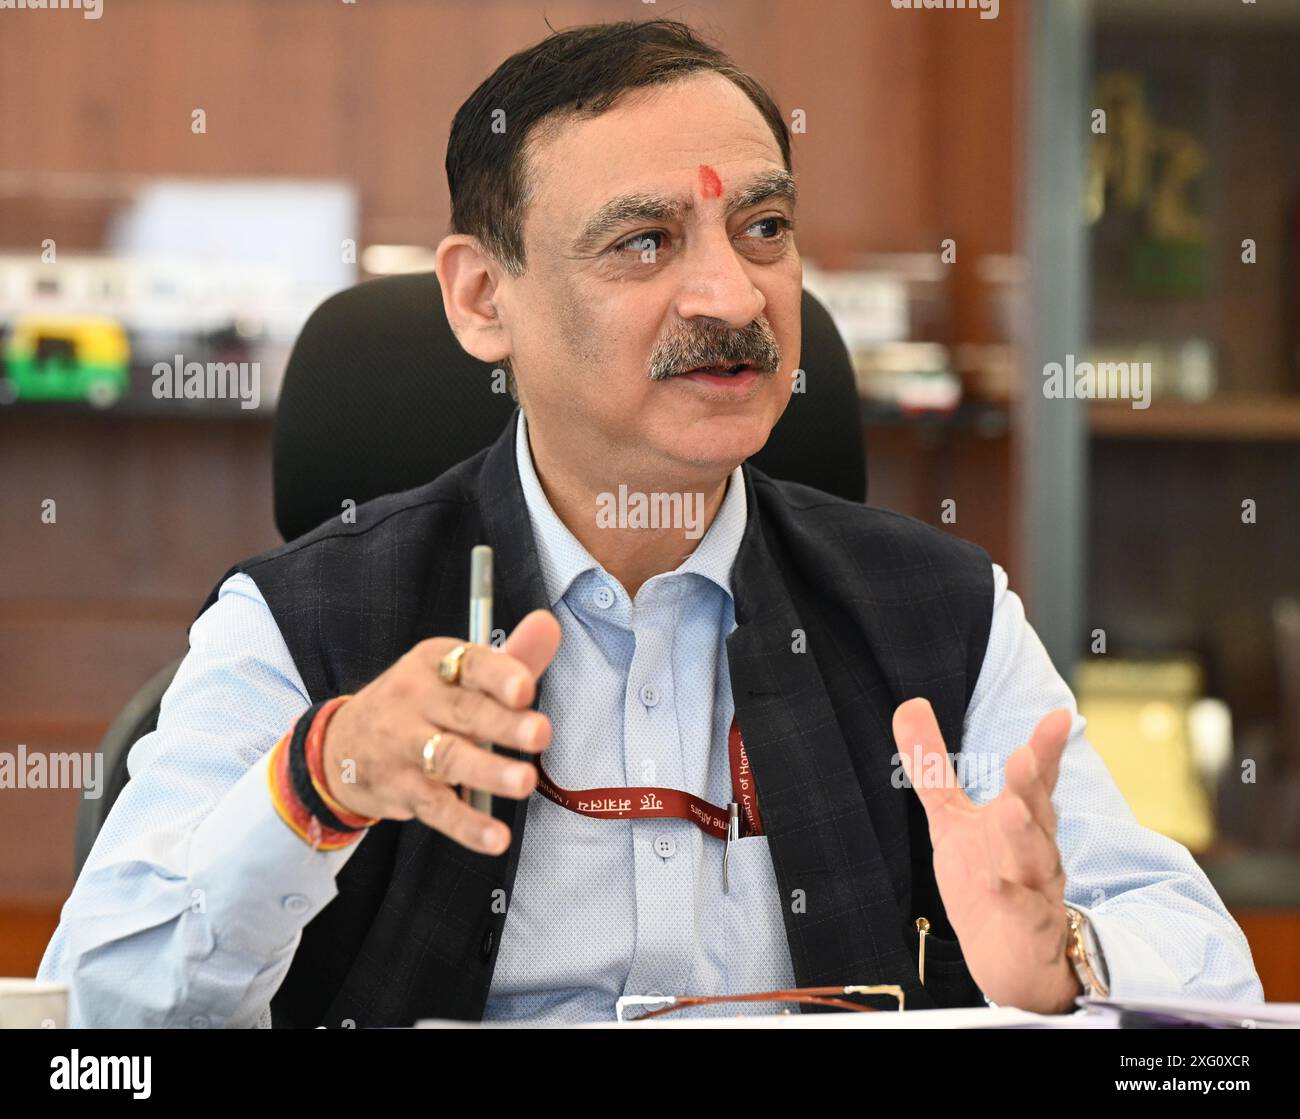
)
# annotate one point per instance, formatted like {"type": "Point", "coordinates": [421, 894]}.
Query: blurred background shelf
{"type": "Point", "coordinates": [984, 418]}
{"type": "Point", "coordinates": [131, 408]}
{"type": "Point", "coordinates": [1193, 503]}
{"type": "Point", "coordinates": [1256, 879]}
{"type": "Point", "coordinates": [1245, 418]}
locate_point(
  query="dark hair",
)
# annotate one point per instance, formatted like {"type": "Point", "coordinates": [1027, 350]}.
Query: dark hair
{"type": "Point", "coordinates": [583, 70]}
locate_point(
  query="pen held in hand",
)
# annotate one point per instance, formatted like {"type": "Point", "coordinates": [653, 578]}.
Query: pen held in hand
{"type": "Point", "coordinates": [480, 633]}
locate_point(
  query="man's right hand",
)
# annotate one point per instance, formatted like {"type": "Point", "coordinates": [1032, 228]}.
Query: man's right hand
{"type": "Point", "coordinates": [382, 729]}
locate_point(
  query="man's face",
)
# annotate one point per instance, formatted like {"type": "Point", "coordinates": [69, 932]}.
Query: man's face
{"type": "Point", "coordinates": [617, 303]}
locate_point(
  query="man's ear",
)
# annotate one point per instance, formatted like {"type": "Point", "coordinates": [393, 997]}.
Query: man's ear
{"type": "Point", "coordinates": [469, 280]}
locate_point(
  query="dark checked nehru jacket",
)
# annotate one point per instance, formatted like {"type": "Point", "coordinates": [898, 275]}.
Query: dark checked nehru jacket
{"type": "Point", "coordinates": [890, 608]}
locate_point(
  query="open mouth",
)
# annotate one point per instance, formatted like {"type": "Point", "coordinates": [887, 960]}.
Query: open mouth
{"type": "Point", "coordinates": [722, 370]}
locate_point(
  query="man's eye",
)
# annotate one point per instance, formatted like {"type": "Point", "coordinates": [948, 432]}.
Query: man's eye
{"type": "Point", "coordinates": [640, 243]}
{"type": "Point", "coordinates": [778, 226]}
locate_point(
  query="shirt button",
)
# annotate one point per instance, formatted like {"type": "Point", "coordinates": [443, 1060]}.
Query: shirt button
{"type": "Point", "coordinates": [649, 695]}
{"type": "Point", "coordinates": [604, 598]}
{"type": "Point", "coordinates": [665, 847]}
{"type": "Point", "coordinates": [295, 903]}
{"type": "Point", "coordinates": [198, 1022]}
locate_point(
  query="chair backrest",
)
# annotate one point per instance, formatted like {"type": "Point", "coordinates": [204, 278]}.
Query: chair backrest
{"type": "Point", "coordinates": [378, 397]}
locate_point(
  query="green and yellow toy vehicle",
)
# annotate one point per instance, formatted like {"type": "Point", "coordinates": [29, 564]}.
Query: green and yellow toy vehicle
{"type": "Point", "coordinates": [65, 357]}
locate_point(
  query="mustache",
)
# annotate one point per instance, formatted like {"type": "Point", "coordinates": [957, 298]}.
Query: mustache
{"type": "Point", "coordinates": [705, 345]}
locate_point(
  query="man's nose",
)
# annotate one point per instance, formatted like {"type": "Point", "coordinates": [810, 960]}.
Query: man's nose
{"type": "Point", "coordinates": [716, 285]}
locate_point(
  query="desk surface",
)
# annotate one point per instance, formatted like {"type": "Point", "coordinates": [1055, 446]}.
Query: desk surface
{"type": "Point", "coordinates": [960, 1018]}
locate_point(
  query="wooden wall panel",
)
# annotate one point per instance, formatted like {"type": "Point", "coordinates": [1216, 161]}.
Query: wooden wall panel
{"type": "Point", "coordinates": [150, 513]}
{"type": "Point", "coordinates": [1274, 937]}
{"type": "Point", "coordinates": [898, 103]}
{"type": "Point", "coordinates": [916, 468]}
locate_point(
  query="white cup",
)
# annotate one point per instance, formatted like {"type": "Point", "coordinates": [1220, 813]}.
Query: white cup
{"type": "Point", "coordinates": [28, 1004]}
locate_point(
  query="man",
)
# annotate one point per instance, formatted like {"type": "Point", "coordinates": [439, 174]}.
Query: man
{"type": "Point", "coordinates": [623, 212]}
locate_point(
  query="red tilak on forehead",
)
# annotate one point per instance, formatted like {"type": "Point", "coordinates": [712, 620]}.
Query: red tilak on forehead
{"type": "Point", "coordinates": [710, 184]}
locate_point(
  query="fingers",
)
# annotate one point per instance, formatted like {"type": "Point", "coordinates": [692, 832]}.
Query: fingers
{"type": "Point", "coordinates": [483, 669]}
{"type": "Point", "coordinates": [490, 703]}
{"type": "Point", "coordinates": [480, 718]}
{"type": "Point", "coordinates": [1026, 820]}
{"type": "Point", "coordinates": [437, 806]}
{"type": "Point", "coordinates": [384, 726]}
{"type": "Point", "coordinates": [925, 761]}
{"type": "Point", "coordinates": [1024, 780]}
{"type": "Point", "coordinates": [1032, 770]}
{"type": "Point", "coordinates": [496, 687]}
{"type": "Point", "coordinates": [1048, 744]}
{"type": "Point", "coordinates": [1024, 853]}
{"type": "Point", "coordinates": [534, 642]}
{"type": "Point", "coordinates": [509, 674]}
{"type": "Point", "coordinates": [458, 761]}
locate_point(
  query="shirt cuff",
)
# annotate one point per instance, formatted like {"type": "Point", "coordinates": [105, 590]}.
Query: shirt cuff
{"type": "Point", "coordinates": [253, 876]}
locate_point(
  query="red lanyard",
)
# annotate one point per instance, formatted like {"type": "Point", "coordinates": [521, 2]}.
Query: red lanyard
{"type": "Point", "coordinates": [640, 802]}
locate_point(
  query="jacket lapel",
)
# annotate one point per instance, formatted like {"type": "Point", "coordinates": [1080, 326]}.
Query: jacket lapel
{"type": "Point", "coordinates": [841, 916]}
{"type": "Point", "coordinates": [496, 515]}
{"type": "Point", "coordinates": [518, 590]}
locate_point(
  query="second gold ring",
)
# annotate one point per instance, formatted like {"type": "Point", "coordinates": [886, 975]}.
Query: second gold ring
{"type": "Point", "coordinates": [429, 755]}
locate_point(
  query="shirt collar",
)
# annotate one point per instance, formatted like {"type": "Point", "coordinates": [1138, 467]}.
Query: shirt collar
{"type": "Point", "coordinates": [563, 558]}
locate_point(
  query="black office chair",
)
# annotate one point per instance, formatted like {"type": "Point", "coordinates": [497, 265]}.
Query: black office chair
{"type": "Point", "coordinates": [374, 402]}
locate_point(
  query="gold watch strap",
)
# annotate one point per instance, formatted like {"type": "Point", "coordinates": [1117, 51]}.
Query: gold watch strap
{"type": "Point", "coordinates": [1076, 950]}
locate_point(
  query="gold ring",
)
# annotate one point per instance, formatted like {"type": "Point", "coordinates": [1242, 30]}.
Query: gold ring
{"type": "Point", "coordinates": [430, 755]}
{"type": "Point", "coordinates": [449, 666]}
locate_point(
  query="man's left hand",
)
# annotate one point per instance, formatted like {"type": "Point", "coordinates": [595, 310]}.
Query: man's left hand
{"type": "Point", "coordinates": [997, 865]}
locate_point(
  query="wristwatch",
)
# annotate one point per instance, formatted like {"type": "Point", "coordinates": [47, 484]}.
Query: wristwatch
{"type": "Point", "coordinates": [1084, 954]}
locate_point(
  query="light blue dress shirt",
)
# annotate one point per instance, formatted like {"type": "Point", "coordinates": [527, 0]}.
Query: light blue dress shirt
{"type": "Point", "coordinates": [192, 901]}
